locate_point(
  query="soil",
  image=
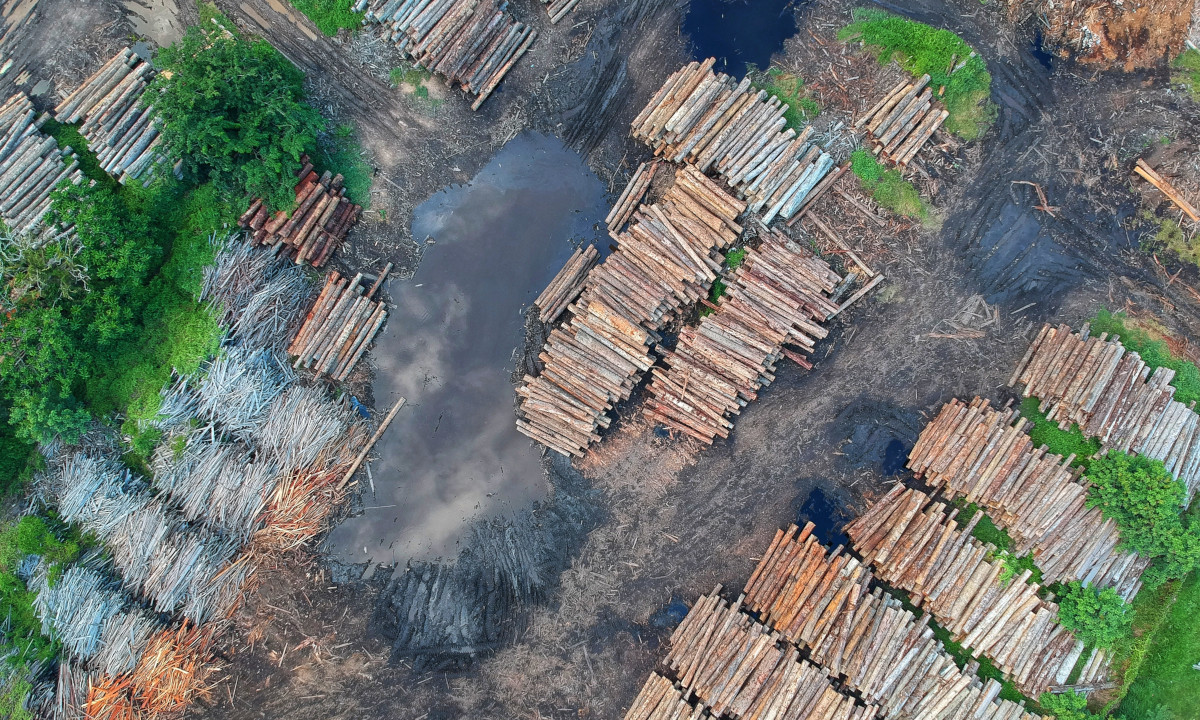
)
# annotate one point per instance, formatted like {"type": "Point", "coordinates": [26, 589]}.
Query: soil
{"type": "Point", "coordinates": [669, 520]}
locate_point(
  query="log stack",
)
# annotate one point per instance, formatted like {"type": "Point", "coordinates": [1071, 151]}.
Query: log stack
{"type": "Point", "coordinates": [899, 125]}
{"type": "Point", "coordinates": [916, 546]}
{"type": "Point", "coordinates": [1112, 395]}
{"type": "Point", "coordinates": [659, 699]}
{"type": "Point", "coordinates": [317, 226]}
{"type": "Point", "coordinates": [340, 326]}
{"type": "Point", "coordinates": [472, 43]}
{"type": "Point", "coordinates": [667, 258]}
{"type": "Point", "coordinates": [631, 197]}
{"type": "Point", "coordinates": [559, 9]}
{"type": "Point", "coordinates": [567, 284]}
{"type": "Point", "coordinates": [977, 453]}
{"type": "Point", "coordinates": [720, 125]}
{"type": "Point", "coordinates": [31, 166]}
{"type": "Point", "coordinates": [777, 297]}
{"type": "Point", "coordinates": [123, 134]}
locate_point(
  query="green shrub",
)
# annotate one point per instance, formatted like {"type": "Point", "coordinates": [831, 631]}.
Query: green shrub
{"type": "Point", "coordinates": [1167, 681]}
{"type": "Point", "coordinates": [1097, 617]}
{"type": "Point", "coordinates": [949, 61]}
{"type": "Point", "coordinates": [887, 187]}
{"type": "Point", "coordinates": [340, 152]}
{"type": "Point", "coordinates": [1061, 442]}
{"type": "Point", "coordinates": [733, 260]}
{"type": "Point", "coordinates": [789, 88]}
{"type": "Point", "coordinates": [69, 136]}
{"type": "Point", "coordinates": [1154, 353]}
{"type": "Point", "coordinates": [1187, 72]}
{"type": "Point", "coordinates": [1067, 706]}
{"type": "Point", "coordinates": [330, 15]}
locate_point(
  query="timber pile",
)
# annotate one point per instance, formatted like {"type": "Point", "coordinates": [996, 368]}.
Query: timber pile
{"type": "Point", "coordinates": [659, 699]}
{"type": "Point", "coordinates": [339, 327]}
{"type": "Point", "coordinates": [1166, 188]}
{"type": "Point", "coordinates": [776, 298]}
{"type": "Point", "coordinates": [1112, 395]}
{"type": "Point", "coordinates": [900, 124]}
{"type": "Point", "coordinates": [819, 601]}
{"type": "Point", "coordinates": [631, 197]}
{"type": "Point", "coordinates": [738, 668]}
{"type": "Point", "coordinates": [122, 133]}
{"type": "Point", "coordinates": [472, 43]}
{"type": "Point", "coordinates": [316, 228]}
{"type": "Point", "coordinates": [916, 546]}
{"type": "Point", "coordinates": [720, 125]}
{"type": "Point", "coordinates": [558, 9]}
{"type": "Point", "coordinates": [31, 166]}
{"type": "Point", "coordinates": [667, 258]}
{"type": "Point", "coordinates": [567, 284]}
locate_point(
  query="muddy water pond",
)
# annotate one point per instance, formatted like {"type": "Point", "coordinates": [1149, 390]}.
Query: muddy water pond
{"type": "Point", "coordinates": [737, 32]}
{"type": "Point", "coordinates": [453, 454]}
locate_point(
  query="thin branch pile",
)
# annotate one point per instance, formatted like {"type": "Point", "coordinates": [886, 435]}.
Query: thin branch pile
{"type": "Point", "coordinates": [31, 166]}
{"type": "Point", "coordinates": [340, 326]}
{"type": "Point", "coordinates": [900, 124]}
{"type": "Point", "coordinates": [726, 127]}
{"type": "Point", "coordinates": [1114, 396]}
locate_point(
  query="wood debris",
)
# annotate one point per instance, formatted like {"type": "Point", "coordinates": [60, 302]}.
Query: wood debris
{"type": "Point", "coordinates": [340, 326]}
{"type": "Point", "coordinates": [559, 9]}
{"type": "Point", "coordinates": [31, 166]}
{"type": "Point", "coordinates": [1114, 396]}
{"type": "Point", "coordinates": [567, 284]}
{"type": "Point", "coordinates": [472, 43]}
{"type": "Point", "coordinates": [899, 125]}
{"type": "Point", "coordinates": [723, 126]}
{"type": "Point", "coordinates": [1166, 188]}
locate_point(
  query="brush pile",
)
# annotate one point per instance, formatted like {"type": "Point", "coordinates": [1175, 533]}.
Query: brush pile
{"type": "Point", "coordinates": [122, 133]}
{"type": "Point", "coordinates": [916, 546]}
{"type": "Point", "coordinates": [255, 296]}
{"type": "Point", "coordinates": [472, 43]}
{"type": "Point", "coordinates": [566, 285]}
{"type": "Point", "coordinates": [31, 166]}
{"type": "Point", "coordinates": [1112, 395]}
{"type": "Point", "coordinates": [667, 258]}
{"type": "Point", "coordinates": [720, 125]}
{"type": "Point", "coordinates": [316, 228]}
{"type": "Point", "coordinates": [977, 453]}
{"type": "Point", "coordinates": [900, 124]}
{"type": "Point", "coordinates": [340, 326]}
{"type": "Point", "coordinates": [777, 297]}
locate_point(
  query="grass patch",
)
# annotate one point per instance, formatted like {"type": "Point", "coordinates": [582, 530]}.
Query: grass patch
{"type": "Point", "coordinates": [1154, 351]}
{"type": "Point", "coordinates": [69, 136]}
{"type": "Point", "coordinates": [1061, 442]}
{"type": "Point", "coordinates": [789, 88]}
{"type": "Point", "coordinates": [330, 15]}
{"type": "Point", "coordinates": [987, 531]}
{"type": "Point", "coordinates": [1165, 676]}
{"type": "Point", "coordinates": [1172, 237]}
{"type": "Point", "coordinates": [948, 60]}
{"type": "Point", "coordinates": [409, 75]}
{"type": "Point", "coordinates": [733, 260]}
{"type": "Point", "coordinates": [1129, 655]}
{"type": "Point", "coordinates": [1187, 72]}
{"type": "Point", "coordinates": [339, 152]}
{"type": "Point", "coordinates": [887, 187]}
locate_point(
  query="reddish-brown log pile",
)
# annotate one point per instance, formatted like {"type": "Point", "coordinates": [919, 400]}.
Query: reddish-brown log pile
{"type": "Point", "coordinates": [317, 226]}
{"type": "Point", "coordinates": [472, 43]}
{"type": "Point", "coordinates": [559, 9]}
{"type": "Point", "coordinates": [340, 326]}
{"type": "Point", "coordinates": [631, 197]}
{"type": "Point", "coordinates": [900, 124]}
{"type": "Point", "coordinates": [777, 297]}
{"type": "Point", "coordinates": [566, 285]}
{"type": "Point", "coordinates": [31, 166]}
{"type": "Point", "coordinates": [1112, 395]}
{"type": "Point", "coordinates": [821, 602]}
{"type": "Point", "coordinates": [977, 452]}
{"type": "Point", "coordinates": [916, 546]}
{"type": "Point", "coordinates": [711, 120]}
{"type": "Point", "coordinates": [667, 258]}
{"type": "Point", "coordinates": [659, 699]}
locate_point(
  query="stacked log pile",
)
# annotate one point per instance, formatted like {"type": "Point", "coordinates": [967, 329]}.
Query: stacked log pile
{"type": "Point", "coordinates": [711, 120]}
{"type": "Point", "coordinates": [900, 124]}
{"type": "Point", "coordinates": [123, 134]}
{"type": "Point", "coordinates": [668, 257]}
{"type": "Point", "coordinates": [820, 601]}
{"type": "Point", "coordinates": [976, 452]}
{"type": "Point", "coordinates": [339, 328]}
{"type": "Point", "coordinates": [31, 166]}
{"type": "Point", "coordinates": [567, 284]}
{"type": "Point", "coordinates": [559, 9]}
{"type": "Point", "coordinates": [917, 546]}
{"type": "Point", "coordinates": [472, 43]}
{"type": "Point", "coordinates": [631, 197]}
{"type": "Point", "coordinates": [659, 699]}
{"type": "Point", "coordinates": [316, 228]}
{"type": "Point", "coordinates": [1112, 395]}
{"type": "Point", "coordinates": [777, 297]}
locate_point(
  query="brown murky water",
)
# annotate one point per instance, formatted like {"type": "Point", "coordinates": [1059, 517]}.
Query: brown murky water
{"type": "Point", "coordinates": [453, 454]}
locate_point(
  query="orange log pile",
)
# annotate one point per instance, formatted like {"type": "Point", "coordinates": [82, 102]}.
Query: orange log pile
{"type": "Point", "coordinates": [900, 124]}
{"type": "Point", "coordinates": [340, 326]}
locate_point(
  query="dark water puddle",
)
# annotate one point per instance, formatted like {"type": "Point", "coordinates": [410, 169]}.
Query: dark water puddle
{"type": "Point", "coordinates": [828, 515]}
{"type": "Point", "coordinates": [1039, 51]}
{"type": "Point", "coordinates": [737, 32]}
{"type": "Point", "coordinates": [895, 457]}
{"type": "Point", "coordinates": [453, 453]}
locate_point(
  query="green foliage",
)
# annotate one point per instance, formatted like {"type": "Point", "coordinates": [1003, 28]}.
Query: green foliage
{"type": "Point", "coordinates": [1146, 503]}
{"type": "Point", "coordinates": [1172, 237]}
{"type": "Point", "coordinates": [330, 15]}
{"type": "Point", "coordinates": [949, 61]}
{"type": "Point", "coordinates": [1066, 706]}
{"type": "Point", "coordinates": [1187, 72]}
{"type": "Point", "coordinates": [234, 111]}
{"type": "Point", "coordinates": [1061, 442]}
{"type": "Point", "coordinates": [789, 88]}
{"type": "Point", "coordinates": [985, 530]}
{"type": "Point", "coordinates": [1015, 565]}
{"type": "Point", "coordinates": [408, 75]}
{"type": "Point", "coordinates": [733, 260]}
{"type": "Point", "coordinates": [69, 136]}
{"type": "Point", "coordinates": [888, 187]}
{"type": "Point", "coordinates": [13, 692]}
{"type": "Point", "coordinates": [1154, 353]}
{"type": "Point", "coordinates": [1097, 617]}
{"type": "Point", "coordinates": [340, 152]}
{"type": "Point", "coordinates": [1166, 679]}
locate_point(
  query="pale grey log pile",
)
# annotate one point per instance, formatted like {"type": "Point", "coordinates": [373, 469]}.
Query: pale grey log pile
{"type": "Point", "coordinates": [559, 9]}
{"type": "Point", "coordinates": [31, 166]}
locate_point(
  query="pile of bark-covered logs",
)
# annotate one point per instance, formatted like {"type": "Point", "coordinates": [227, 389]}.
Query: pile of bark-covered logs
{"type": "Point", "coordinates": [1112, 395]}
{"type": "Point", "coordinates": [917, 546]}
{"type": "Point", "coordinates": [821, 601]}
{"type": "Point", "coordinates": [977, 452]}
{"type": "Point", "coordinates": [726, 127]}
{"type": "Point", "coordinates": [776, 297]}
{"type": "Point", "coordinates": [31, 166]}
{"type": "Point", "coordinates": [315, 228]}
{"type": "Point", "coordinates": [631, 197]}
{"type": "Point", "coordinates": [340, 326]}
{"type": "Point", "coordinates": [559, 9]}
{"type": "Point", "coordinates": [122, 133]}
{"type": "Point", "coordinates": [668, 257]}
{"type": "Point", "coordinates": [900, 124]}
{"type": "Point", "coordinates": [473, 43]}
{"type": "Point", "coordinates": [567, 284]}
